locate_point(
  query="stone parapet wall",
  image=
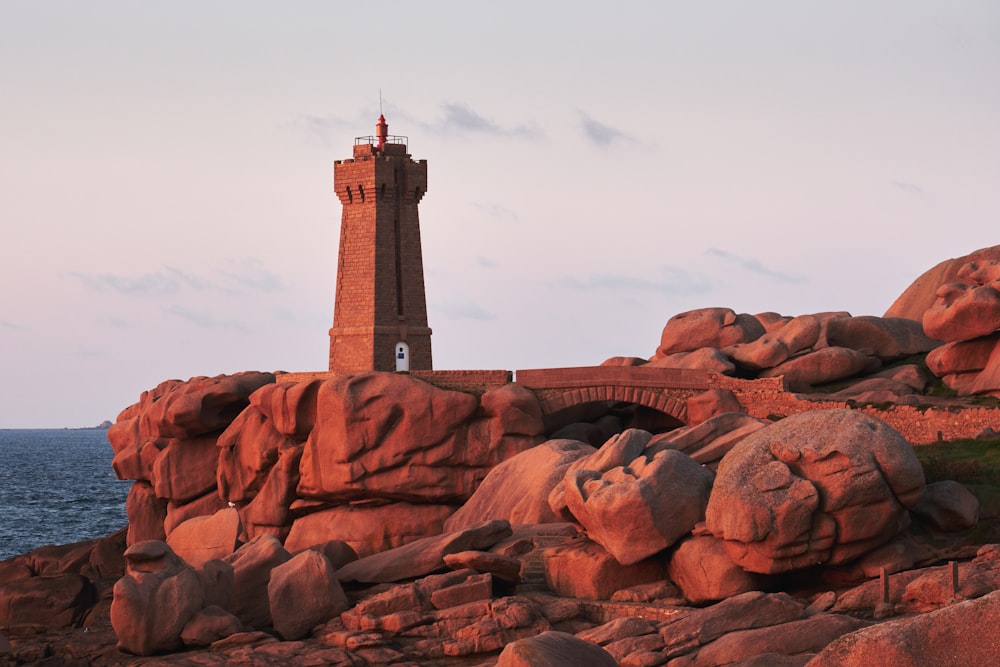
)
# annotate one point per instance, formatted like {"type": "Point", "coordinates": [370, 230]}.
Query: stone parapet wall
{"type": "Point", "coordinates": [766, 399]}
{"type": "Point", "coordinates": [472, 382]}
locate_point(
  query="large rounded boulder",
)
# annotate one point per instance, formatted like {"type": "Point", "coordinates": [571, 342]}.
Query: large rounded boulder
{"type": "Point", "coordinates": [821, 487]}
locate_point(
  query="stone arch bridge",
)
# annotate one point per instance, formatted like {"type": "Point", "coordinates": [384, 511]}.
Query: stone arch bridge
{"type": "Point", "coordinates": [665, 390]}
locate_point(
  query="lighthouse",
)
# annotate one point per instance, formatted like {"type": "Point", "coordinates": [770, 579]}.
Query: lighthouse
{"type": "Point", "coordinates": [380, 312]}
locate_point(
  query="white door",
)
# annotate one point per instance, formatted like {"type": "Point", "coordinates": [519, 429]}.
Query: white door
{"type": "Point", "coordinates": [402, 357]}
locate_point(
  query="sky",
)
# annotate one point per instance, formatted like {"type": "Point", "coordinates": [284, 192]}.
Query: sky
{"type": "Point", "coordinates": [166, 174]}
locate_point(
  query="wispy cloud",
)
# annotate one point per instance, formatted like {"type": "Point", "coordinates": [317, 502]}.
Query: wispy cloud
{"type": "Point", "coordinates": [486, 262]}
{"type": "Point", "coordinates": [497, 211]}
{"type": "Point", "coordinates": [169, 280]}
{"type": "Point", "coordinates": [754, 266]}
{"type": "Point", "coordinates": [465, 309]}
{"type": "Point", "coordinates": [600, 134]}
{"type": "Point", "coordinates": [237, 277]}
{"type": "Point", "coordinates": [671, 281]}
{"type": "Point", "coordinates": [462, 119]}
{"type": "Point", "coordinates": [205, 319]}
{"type": "Point", "coordinates": [908, 188]}
{"type": "Point", "coordinates": [10, 326]}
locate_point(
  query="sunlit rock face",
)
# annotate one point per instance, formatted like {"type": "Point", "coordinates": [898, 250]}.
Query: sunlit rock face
{"type": "Point", "coordinates": [818, 488]}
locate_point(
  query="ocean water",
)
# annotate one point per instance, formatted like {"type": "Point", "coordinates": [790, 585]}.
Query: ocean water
{"type": "Point", "coordinates": [57, 487]}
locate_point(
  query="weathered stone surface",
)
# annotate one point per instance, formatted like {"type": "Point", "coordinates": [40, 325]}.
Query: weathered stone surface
{"type": "Point", "coordinates": [289, 406]}
{"type": "Point", "coordinates": [966, 356]}
{"type": "Point", "coordinates": [383, 435]}
{"type": "Point", "coordinates": [155, 599]}
{"type": "Point", "coordinates": [772, 321]}
{"type": "Point", "coordinates": [270, 507]}
{"type": "Point", "coordinates": [776, 347]}
{"type": "Point", "coordinates": [818, 487]}
{"type": "Point", "coordinates": [517, 490]}
{"type": "Point", "coordinates": [948, 505]}
{"type": "Point", "coordinates": [55, 600]}
{"type": "Point", "coordinates": [584, 569]}
{"type": "Point", "coordinates": [887, 338]}
{"type": "Point", "coordinates": [146, 514]}
{"type": "Point", "coordinates": [554, 649]}
{"type": "Point", "coordinates": [740, 612]}
{"type": "Point", "coordinates": [369, 528]}
{"type": "Point", "coordinates": [424, 556]}
{"type": "Point", "coordinates": [178, 513]}
{"type": "Point", "coordinates": [987, 382]}
{"type": "Point", "coordinates": [626, 510]}
{"type": "Point", "coordinates": [707, 327]}
{"type": "Point", "coordinates": [619, 450]}
{"type": "Point", "coordinates": [209, 625]}
{"type": "Point", "coordinates": [503, 568]}
{"type": "Point", "coordinates": [822, 366]}
{"type": "Point", "coordinates": [710, 440]}
{"type": "Point", "coordinates": [922, 292]}
{"type": "Point", "coordinates": [702, 407]}
{"type": "Point", "coordinates": [304, 592]}
{"type": "Point", "coordinates": [252, 565]}
{"type": "Point", "coordinates": [205, 538]}
{"type": "Point", "coordinates": [963, 311]}
{"type": "Point", "coordinates": [185, 469]}
{"type": "Point", "coordinates": [706, 358]}
{"type": "Point", "coordinates": [199, 406]}
{"type": "Point", "coordinates": [136, 459]}
{"type": "Point", "coordinates": [953, 635]}
{"type": "Point", "coordinates": [801, 636]}
{"type": "Point", "coordinates": [247, 450]}
{"type": "Point", "coordinates": [703, 570]}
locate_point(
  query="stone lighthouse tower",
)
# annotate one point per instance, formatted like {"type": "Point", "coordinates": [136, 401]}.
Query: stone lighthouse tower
{"type": "Point", "coordinates": [380, 315]}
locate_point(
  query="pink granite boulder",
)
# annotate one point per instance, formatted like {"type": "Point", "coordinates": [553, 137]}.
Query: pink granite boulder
{"type": "Point", "coordinates": [948, 506]}
{"type": "Point", "coordinates": [584, 569]}
{"type": "Point", "coordinates": [707, 327]}
{"type": "Point", "coordinates": [822, 366]}
{"type": "Point", "coordinates": [369, 527]}
{"type": "Point", "coordinates": [201, 405]}
{"type": "Point", "coordinates": [554, 649]}
{"type": "Point", "coordinates": [702, 407]}
{"type": "Point", "coordinates": [703, 570]}
{"type": "Point", "coordinates": [821, 487]}
{"type": "Point", "coordinates": [304, 592]}
{"type": "Point", "coordinates": [921, 294]}
{"type": "Point", "coordinates": [887, 338]}
{"type": "Point", "coordinates": [776, 347]}
{"type": "Point", "coordinates": [518, 489]}
{"type": "Point", "coordinates": [384, 435]}
{"type": "Point", "coordinates": [155, 599]}
{"type": "Point", "coordinates": [638, 510]}
{"type": "Point", "coordinates": [252, 565]}
{"type": "Point", "coordinates": [964, 312]}
{"type": "Point", "coordinates": [204, 538]}
{"type": "Point", "coordinates": [704, 358]}
{"type": "Point", "coordinates": [953, 635]}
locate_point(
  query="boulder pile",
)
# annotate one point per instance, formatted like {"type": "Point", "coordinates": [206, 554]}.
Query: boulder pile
{"type": "Point", "coordinates": [377, 519]}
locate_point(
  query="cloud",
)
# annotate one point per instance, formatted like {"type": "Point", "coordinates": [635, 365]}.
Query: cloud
{"type": "Point", "coordinates": [601, 134]}
{"type": "Point", "coordinates": [497, 211]}
{"type": "Point", "coordinates": [465, 309]}
{"type": "Point", "coordinates": [10, 326]}
{"type": "Point", "coordinates": [167, 281]}
{"type": "Point", "coordinates": [908, 188]}
{"type": "Point", "coordinates": [461, 118]}
{"type": "Point", "coordinates": [249, 274]}
{"type": "Point", "coordinates": [206, 319]}
{"type": "Point", "coordinates": [486, 262]}
{"type": "Point", "coordinates": [754, 266]}
{"type": "Point", "coordinates": [672, 281]}
{"type": "Point", "coordinates": [241, 276]}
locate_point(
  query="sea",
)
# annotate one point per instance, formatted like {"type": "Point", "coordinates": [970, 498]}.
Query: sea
{"type": "Point", "coordinates": [57, 487]}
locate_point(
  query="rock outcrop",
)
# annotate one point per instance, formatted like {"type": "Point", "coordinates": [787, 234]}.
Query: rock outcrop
{"type": "Point", "coordinates": [820, 487]}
